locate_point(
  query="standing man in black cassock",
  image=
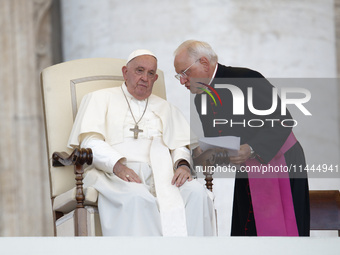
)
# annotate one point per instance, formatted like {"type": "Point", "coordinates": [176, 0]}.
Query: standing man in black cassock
{"type": "Point", "coordinates": [275, 206]}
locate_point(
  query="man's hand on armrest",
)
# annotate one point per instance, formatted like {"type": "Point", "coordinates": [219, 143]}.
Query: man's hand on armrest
{"type": "Point", "coordinates": [125, 173]}
{"type": "Point", "coordinates": [182, 174]}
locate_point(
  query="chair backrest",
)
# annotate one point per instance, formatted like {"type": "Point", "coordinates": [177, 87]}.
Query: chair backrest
{"type": "Point", "coordinates": [63, 87]}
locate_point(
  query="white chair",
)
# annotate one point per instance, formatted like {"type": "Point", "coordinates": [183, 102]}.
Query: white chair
{"type": "Point", "coordinates": [63, 86]}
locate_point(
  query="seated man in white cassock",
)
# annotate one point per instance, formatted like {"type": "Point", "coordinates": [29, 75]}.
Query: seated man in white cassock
{"type": "Point", "coordinates": [142, 161]}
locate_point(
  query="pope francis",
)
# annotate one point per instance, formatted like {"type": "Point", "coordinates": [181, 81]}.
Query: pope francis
{"type": "Point", "coordinates": [142, 161]}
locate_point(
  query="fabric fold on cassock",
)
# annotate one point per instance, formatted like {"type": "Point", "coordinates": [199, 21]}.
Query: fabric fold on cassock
{"type": "Point", "coordinates": [100, 114]}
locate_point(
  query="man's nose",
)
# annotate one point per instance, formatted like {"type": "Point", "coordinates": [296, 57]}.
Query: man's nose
{"type": "Point", "coordinates": [145, 76]}
{"type": "Point", "coordinates": [183, 80]}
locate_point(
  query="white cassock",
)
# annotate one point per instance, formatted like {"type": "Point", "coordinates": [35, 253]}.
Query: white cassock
{"type": "Point", "coordinates": [153, 207]}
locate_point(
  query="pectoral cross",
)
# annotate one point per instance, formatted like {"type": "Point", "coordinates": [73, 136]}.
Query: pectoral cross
{"type": "Point", "coordinates": [135, 131]}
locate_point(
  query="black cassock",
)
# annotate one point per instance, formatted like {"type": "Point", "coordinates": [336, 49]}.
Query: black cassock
{"type": "Point", "coordinates": [266, 139]}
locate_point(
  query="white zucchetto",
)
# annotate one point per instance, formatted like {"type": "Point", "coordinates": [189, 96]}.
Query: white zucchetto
{"type": "Point", "coordinates": [138, 53]}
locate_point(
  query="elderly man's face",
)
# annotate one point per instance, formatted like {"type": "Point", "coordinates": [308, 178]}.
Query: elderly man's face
{"type": "Point", "coordinates": [140, 75]}
{"type": "Point", "coordinates": [193, 75]}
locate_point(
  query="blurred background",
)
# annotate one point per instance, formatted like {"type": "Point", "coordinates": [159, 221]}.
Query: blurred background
{"type": "Point", "coordinates": [281, 39]}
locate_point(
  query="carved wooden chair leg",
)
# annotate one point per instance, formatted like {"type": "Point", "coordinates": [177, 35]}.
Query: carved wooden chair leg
{"type": "Point", "coordinates": [208, 160]}
{"type": "Point", "coordinates": [208, 180]}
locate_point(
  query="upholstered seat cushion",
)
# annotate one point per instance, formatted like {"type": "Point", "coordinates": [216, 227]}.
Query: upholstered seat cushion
{"type": "Point", "coordinates": [66, 202]}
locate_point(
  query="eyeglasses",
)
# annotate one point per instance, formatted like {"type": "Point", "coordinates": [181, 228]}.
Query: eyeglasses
{"type": "Point", "coordinates": [183, 74]}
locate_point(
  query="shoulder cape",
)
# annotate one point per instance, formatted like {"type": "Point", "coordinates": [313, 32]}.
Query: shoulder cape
{"type": "Point", "coordinates": [104, 111]}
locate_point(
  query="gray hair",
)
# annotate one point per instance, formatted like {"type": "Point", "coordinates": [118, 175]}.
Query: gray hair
{"type": "Point", "coordinates": [197, 49]}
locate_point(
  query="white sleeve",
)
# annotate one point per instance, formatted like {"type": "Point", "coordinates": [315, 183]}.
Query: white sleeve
{"type": "Point", "coordinates": [182, 153]}
{"type": "Point", "coordinates": [104, 156]}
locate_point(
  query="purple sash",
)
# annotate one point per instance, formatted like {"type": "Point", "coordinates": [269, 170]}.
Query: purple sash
{"type": "Point", "coordinates": [272, 197]}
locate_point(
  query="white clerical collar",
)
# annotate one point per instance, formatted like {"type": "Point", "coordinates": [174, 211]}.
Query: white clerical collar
{"type": "Point", "coordinates": [213, 74]}
{"type": "Point", "coordinates": [127, 93]}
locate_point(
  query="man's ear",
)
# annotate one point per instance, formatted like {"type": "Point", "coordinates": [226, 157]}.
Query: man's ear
{"type": "Point", "coordinates": [206, 63]}
{"type": "Point", "coordinates": [124, 71]}
{"type": "Point", "coordinates": [156, 77]}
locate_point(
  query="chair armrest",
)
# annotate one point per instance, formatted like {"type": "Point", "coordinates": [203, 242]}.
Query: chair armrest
{"type": "Point", "coordinates": [212, 157]}
{"type": "Point", "coordinates": [78, 158]}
